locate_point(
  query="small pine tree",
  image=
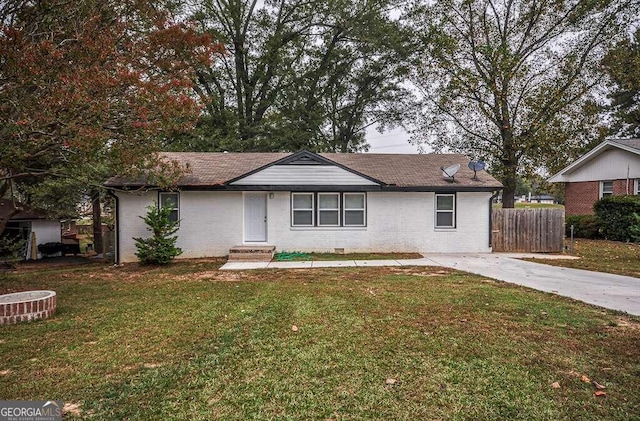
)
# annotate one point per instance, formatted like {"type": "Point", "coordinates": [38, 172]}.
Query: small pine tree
{"type": "Point", "coordinates": [11, 251]}
{"type": "Point", "coordinates": [159, 249]}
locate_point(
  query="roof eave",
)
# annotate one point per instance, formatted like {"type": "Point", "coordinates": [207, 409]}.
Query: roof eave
{"type": "Point", "coordinates": [332, 187]}
{"type": "Point", "coordinates": [560, 176]}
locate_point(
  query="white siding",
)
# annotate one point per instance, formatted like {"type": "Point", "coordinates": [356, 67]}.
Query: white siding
{"type": "Point", "coordinates": [212, 222]}
{"type": "Point", "coordinates": [46, 231]}
{"type": "Point", "coordinates": [611, 164]}
{"type": "Point", "coordinates": [130, 208]}
{"type": "Point", "coordinates": [311, 175]}
{"type": "Point", "coordinates": [396, 222]}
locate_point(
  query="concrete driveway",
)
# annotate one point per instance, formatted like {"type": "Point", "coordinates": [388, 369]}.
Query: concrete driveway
{"type": "Point", "coordinates": [615, 292]}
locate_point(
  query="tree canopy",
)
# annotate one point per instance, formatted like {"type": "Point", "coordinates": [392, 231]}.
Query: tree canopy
{"type": "Point", "coordinates": [513, 81]}
{"type": "Point", "coordinates": [299, 74]}
{"type": "Point", "coordinates": [91, 87]}
{"type": "Point", "coordinates": [622, 64]}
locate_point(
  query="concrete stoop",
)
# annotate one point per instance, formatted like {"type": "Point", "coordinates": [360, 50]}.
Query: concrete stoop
{"type": "Point", "coordinates": [251, 253]}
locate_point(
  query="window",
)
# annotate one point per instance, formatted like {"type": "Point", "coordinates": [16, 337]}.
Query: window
{"type": "Point", "coordinates": [637, 186]}
{"type": "Point", "coordinates": [445, 210]}
{"type": "Point", "coordinates": [354, 209]}
{"type": "Point", "coordinates": [606, 188]}
{"type": "Point", "coordinates": [329, 209]}
{"type": "Point", "coordinates": [171, 200]}
{"type": "Point", "coordinates": [302, 209]}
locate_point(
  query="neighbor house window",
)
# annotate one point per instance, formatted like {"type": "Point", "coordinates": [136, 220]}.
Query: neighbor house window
{"type": "Point", "coordinates": [637, 186]}
{"type": "Point", "coordinates": [606, 188]}
{"type": "Point", "coordinates": [320, 209]}
{"type": "Point", "coordinates": [445, 210]}
{"type": "Point", "coordinates": [329, 209]}
{"type": "Point", "coordinates": [172, 201]}
{"type": "Point", "coordinates": [354, 209]}
{"type": "Point", "coordinates": [302, 209]}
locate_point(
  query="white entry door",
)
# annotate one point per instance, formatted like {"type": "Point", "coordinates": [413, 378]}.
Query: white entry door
{"type": "Point", "coordinates": [255, 217]}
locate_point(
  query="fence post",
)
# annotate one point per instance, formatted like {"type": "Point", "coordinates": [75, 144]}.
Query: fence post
{"type": "Point", "coordinates": [571, 243]}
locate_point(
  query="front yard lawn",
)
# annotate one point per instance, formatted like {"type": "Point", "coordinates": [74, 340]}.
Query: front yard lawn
{"type": "Point", "coordinates": [190, 342]}
{"type": "Point", "coordinates": [602, 256]}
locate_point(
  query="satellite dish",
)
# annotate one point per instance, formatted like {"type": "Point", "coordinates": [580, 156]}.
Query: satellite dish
{"type": "Point", "coordinates": [477, 166]}
{"type": "Point", "coordinates": [450, 171]}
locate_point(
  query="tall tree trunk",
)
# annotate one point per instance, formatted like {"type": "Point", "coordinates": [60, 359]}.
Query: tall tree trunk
{"type": "Point", "coordinates": [509, 181]}
{"type": "Point", "coordinates": [97, 221]}
{"type": "Point", "coordinates": [509, 157]}
{"type": "Point", "coordinates": [5, 220]}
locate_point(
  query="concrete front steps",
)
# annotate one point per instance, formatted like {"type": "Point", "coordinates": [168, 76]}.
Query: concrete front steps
{"type": "Point", "coordinates": [251, 253]}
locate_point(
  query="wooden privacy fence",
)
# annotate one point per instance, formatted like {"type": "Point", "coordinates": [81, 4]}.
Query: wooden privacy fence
{"type": "Point", "coordinates": [528, 230]}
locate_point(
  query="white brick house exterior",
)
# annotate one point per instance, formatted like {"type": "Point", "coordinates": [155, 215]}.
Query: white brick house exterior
{"type": "Point", "coordinates": [319, 207]}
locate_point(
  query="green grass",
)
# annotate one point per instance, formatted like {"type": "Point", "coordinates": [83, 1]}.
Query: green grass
{"type": "Point", "coordinates": [189, 342]}
{"type": "Point", "coordinates": [602, 256]}
{"type": "Point", "coordinates": [294, 256]}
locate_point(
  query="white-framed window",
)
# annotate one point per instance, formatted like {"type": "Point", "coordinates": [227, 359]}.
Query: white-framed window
{"type": "Point", "coordinates": [354, 209]}
{"type": "Point", "coordinates": [324, 209]}
{"type": "Point", "coordinates": [445, 210]}
{"type": "Point", "coordinates": [637, 186]}
{"type": "Point", "coordinates": [328, 209]}
{"type": "Point", "coordinates": [302, 209]}
{"type": "Point", "coordinates": [171, 200]}
{"type": "Point", "coordinates": [606, 189]}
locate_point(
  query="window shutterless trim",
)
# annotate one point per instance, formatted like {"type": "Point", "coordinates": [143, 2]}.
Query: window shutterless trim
{"type": "Point", "coordinates": [602, 191]}
{"type": "Point", "coordinates": [176, 205]}
{"type": "Point", "coordinates": [363, 209]}
{"type": "Point", "coordinates": [316, 209]}
{"type": "Point", "coordinates": [452, 211]}
{"type": "Point", "coordinates": [312, 209]}
{"type": "Point", "coordinates": [336, 210]}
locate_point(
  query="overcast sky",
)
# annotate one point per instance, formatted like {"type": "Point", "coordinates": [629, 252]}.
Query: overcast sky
{"type": "Point", "coordinates": [394, 141]}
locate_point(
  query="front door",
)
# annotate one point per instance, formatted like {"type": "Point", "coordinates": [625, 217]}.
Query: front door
{"type": "Point", "coordinates": [255, 217]}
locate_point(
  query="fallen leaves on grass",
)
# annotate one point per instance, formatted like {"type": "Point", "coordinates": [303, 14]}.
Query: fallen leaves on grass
{"type": "Point", "coordinates": [390, 382]}
{"type": "Point", "coordinates": [585, 379]}
{"type": "Point", "coordinates": [600, 393]}
{"type": "Point", "coordinates": [598, 385]}
{"type": "Point", "coordinates": [72, 408]}
{"type": "Point", "coordinates": [294, 328]}
{"type": "Point", "coordinates": [152, 365]}
{"type": "Point", "coordinates": [4, 372]}
{"type": "Point", "coordinates": [555, 385]}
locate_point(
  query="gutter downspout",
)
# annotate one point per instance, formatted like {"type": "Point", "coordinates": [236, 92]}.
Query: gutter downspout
{"type": "Point", "coordinates": [490, 216]}
{"type": "Point", "coordinates": [117, 227]}
{"type": "Point", "coordinates": [628, 170]}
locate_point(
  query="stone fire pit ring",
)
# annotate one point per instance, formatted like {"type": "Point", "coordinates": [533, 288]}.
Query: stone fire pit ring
{"type": "Point", "coordinates": [26, 306]}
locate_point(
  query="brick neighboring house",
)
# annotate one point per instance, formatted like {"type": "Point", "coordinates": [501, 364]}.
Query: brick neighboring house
{"type": "Point", "coordinates": [611, 168]}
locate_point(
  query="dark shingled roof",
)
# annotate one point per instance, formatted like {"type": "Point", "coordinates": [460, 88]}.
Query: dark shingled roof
{"type": "Point", "coordinates": [421, 170]}
{"type": "Point", "coordinates": [7, 207]}
{"type": "Point", "coordinates": [401, 170]}
{"type": "Point", "coordinates": [632, 143]}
